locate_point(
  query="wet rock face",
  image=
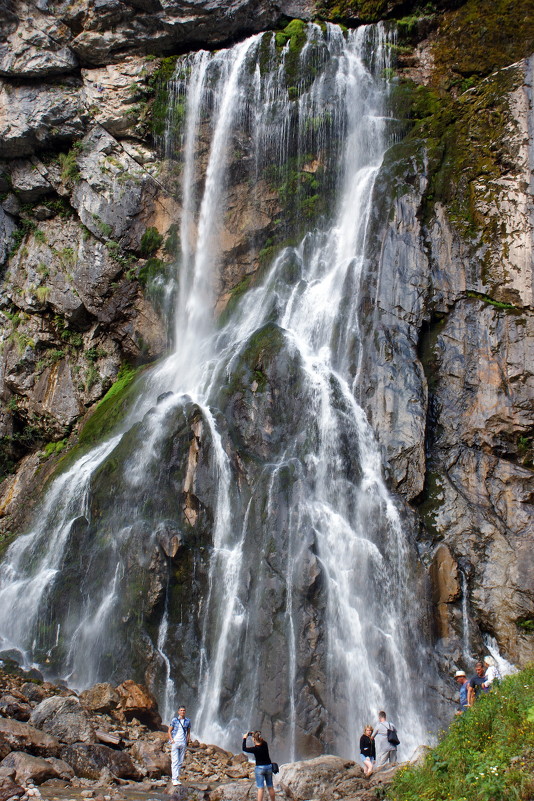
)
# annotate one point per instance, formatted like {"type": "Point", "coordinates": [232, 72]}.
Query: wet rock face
{"type": "Point", "coordinates": [450, 386]}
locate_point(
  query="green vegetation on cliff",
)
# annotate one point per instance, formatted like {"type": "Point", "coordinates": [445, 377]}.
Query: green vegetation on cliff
{"type": "Point", "coordinates": [481, 37]}
{"type": "Point", "coordinates": [486, 755]}
{"type": "Point", "coordinates": [107, 414]}
{"type": "Point", "coordinates": [462, 114]}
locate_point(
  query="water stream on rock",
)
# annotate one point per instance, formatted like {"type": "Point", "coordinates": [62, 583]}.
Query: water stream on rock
{"type": "Point", "coordinates": [246, 451]}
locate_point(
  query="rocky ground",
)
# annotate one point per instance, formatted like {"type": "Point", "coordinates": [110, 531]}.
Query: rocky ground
{"type": "Point", "coordinates": [109, 743]}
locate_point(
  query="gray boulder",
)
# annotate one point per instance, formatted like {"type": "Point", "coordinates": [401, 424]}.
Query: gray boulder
{"type": "Point", "coordinates": [63, 770]}
{"type": "Point", "coordinates": [316, 778]}
{"type": "Point", "coordinates": [33, 692]}
{"type": "Point", "coordinates": [234, 791]}
{"type": "Point", "coordinates": [64, 718]}
{"type": "Point", "coordinates": [89, 761]}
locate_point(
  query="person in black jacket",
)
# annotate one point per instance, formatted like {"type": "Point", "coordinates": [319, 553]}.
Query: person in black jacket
{"type": "Point", "coordinates": [367, 750]}
{"type": "Point", "coordinates": [264, 768]}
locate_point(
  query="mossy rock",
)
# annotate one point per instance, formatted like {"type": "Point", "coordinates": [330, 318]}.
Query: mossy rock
{"type": "Point", "coordinates": [467, 145]}
{"type": "Point", "coordinates": [359, 10]}
{"type": "Point", "coordinates": [480, 37]}
{"type": "Point", "coordinates": [105, 417]}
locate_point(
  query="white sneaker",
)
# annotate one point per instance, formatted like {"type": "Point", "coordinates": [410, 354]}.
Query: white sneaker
{"type": "Point", "coordinates": [175, 782]}
{"type": "Point", "coordinates": [178, 782]}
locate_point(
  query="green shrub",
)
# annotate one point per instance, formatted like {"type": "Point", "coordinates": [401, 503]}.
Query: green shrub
{"type": "Point", "coordinates": [486, 755]}
{"type": "Point", "coordinates": [69, 166]}
{"type": "Point", "coordinates": [150, 241]}
{"type": "Point", "coordinates": [172, 242]}
{"type": "Point", "coordinates": [151, 270]}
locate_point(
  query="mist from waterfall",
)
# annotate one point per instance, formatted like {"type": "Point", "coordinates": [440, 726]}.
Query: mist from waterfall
{"type": "Point", "coordinates": [338, 527]}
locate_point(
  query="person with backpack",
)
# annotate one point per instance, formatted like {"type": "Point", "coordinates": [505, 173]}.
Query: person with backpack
{"type": "Point", "coordinates": [180, 736]}
{"type": "Point", "coordinates": [386, 741]}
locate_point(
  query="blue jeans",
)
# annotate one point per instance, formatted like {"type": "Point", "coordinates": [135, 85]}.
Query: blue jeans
{"type": "Point", "coordinates": [263, 773]}
{"type": "Point", "coordinates": [177, 757]}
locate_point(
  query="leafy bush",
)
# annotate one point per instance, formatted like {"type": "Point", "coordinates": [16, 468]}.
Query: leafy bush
{"type": "Point", "coordinates": [486, 755]}
{"type": "Point", "coordinates": [150, 241]}
{"type": "Point", "coordinates": [151, 270]}
{"type": "Point", "coordinates": [69, 166]}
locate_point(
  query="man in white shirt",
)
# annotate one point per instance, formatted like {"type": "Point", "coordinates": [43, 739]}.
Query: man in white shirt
{"type": "Point", "coordinates": [179, 735]}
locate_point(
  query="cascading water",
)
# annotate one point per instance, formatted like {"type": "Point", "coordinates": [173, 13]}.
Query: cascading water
{"type": "Point", "coordinates": [234, 542]}
{"type": "Point", "coordinates": [466, 644]}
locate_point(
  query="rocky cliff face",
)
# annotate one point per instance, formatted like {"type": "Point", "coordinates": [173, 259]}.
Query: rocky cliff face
{"type": "Point", "coordinates": [87, 228]}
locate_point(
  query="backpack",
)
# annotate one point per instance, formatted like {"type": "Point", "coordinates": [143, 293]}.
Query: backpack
{"type": "Point", "coordinates": [392, 736]}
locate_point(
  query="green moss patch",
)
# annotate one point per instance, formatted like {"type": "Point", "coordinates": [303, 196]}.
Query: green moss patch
{"type": "Point", "coordinates": [467, 140]}
{"type": "Point", "coordinates": [486, 299]}
{"type": "Point", "coordinates": [159, 86]}
{"type": "Point", "coordinates": [107, 415]}
{"type": "Point", "coordinates": [480, 37]}
{"type": "Point", "coordinates": [486, 755]}
{"type": "Point", "coordinates": [360, 10]}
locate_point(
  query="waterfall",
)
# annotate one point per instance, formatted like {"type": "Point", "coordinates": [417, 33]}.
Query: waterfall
{"type": "Point", "coordinates": [300, 614]}
{"type": "Point", "coordinates": [505, 667]}
{"type": "Point", "coordinates": [466, 646]}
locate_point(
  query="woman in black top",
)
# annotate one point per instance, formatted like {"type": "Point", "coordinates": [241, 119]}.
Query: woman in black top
{"type": "Point", "coordinates": [264, 768]}
{"type": "Point", "coordinates": [367, 750]}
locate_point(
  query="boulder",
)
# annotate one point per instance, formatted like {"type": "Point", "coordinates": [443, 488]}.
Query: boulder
{"type": "Point", "coordinates": [9, 789]}
{"type": "Point", "coordinates": [137, 702]}
{"type": "Point", "coordinates": [63, 769]}
{"type": "Point", "coordinates": [315, 778]}
{"type": "Point", "coordinates": [153, 757]}
{"type": "Point", "coordinates": [101, 698]}
{"type": "Point", "coordinates": [64, 718]}
{"type": "Point", "coordinates": [33, 692]}
{"type": "Point", "coordinates": [11, 707]}
{"type": "Point", "coordinates": [29, 768]}
{"type": "Point", "coordinates": [234, 791]}
{"type": "Point", "coordinates": [89, 761]}
{"type": "Point", "coordinates": [18, 736]}
{"type": "Point", "coordinates": [419, 755]}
